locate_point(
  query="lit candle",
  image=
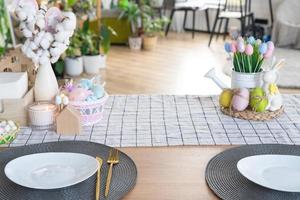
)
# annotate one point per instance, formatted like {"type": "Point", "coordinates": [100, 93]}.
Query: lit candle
{"type": "Point", "coordinates": [42, 114]}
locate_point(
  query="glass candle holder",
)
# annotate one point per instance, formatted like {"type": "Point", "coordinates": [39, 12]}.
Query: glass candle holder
{"type": "Point", "coordinates": [42, 114]}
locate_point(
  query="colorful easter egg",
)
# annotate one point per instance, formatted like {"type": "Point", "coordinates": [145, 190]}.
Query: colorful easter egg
{"type": "Point", "coordinates": [263, 48]}
{"type": "Point", "coordinates": [240, 100]}
{"type": "Point", "coordinates": [79, 94]}
{"type": "Point", "coordinates": [233, 47]}
{"type": "Point", "coordinates": [268, 54]}
{"type": "Point", "coordinates": [225, 98]}
{"type": "Point", "coordinates": [58, 100]}
{"type": "Point", "coordinates": [249, 50]}
{"type": "Point", "coordinates": [258, 100]}
{"type": "Point", "coordinates": [241, 46]}
{"type": "Point", "coordinates": [227, 47]}
{"type": "Point", "coordinates": [98, 91]}
{"type": "Point", "coordinates": [251, 40]}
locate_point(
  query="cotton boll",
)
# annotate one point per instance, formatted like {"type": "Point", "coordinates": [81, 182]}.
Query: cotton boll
{"type": "Point", "coordinates": [59, 28]}
{"type": "Point", "coordinates": [31, 18]}
{"type": "Point", "coordinates": [31, 26]}
{"type": "Point", "coordinates": [21, 14]}
{"type": "Point", "coordinates": [27, 33]}
{"type": "Point", "coordinates": [61, 36]}
{"type": "Point", "coordinates": [60, 46]}
{"type": "Point", "coordinates": [54, 59]}
{"type": "Point", "coordinates": [40, 22]}
{"type": "Point", "coordinates": [39, 52]}
{"type": "Point", "coordinates": [45, 43]}
{"type": "Point", "coordinates": [45, 53]}
{"type": "Point", "coordinates": [49, 36]}
{"type": "Point", "coordinates": [33, 46]}
{"type": "Point", "coordinates": [69, 21]}
{"type": "Point", "coordinates": [54, 52]}
{"type": "Point", "coordinates": [39, 37]}
{"type": "Point", "coordinates": [67, 42]}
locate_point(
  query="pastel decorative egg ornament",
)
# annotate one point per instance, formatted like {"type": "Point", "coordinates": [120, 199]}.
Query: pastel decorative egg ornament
{"type": "Point", "coordinates": [225, 98]}
{"type": "Point", "coordinates": [240, 100]}
{"type": "Point", "coordinates": [258, 100]}
{"type": "Point", "coordinates": [8, 131]}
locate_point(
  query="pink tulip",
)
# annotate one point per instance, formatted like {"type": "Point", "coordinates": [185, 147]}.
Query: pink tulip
{"type": "Point", "coordinates": [268, 54]}
{"type": "Point", "coordinates": [249, 50]}
{"type": "Point", "coordinates": [233, 47]}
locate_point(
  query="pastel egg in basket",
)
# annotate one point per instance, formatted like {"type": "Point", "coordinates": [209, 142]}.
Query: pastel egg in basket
{"type": "Point", "coordinates": [8, 131]}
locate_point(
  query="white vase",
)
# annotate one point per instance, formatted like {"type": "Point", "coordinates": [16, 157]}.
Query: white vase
{"type": "Point", "coordinates": [45, 87]}
{"type": "Point", "coordinates": [135, 43]}
{"type": "Point", "coordinates": [73, 66]}
{"type": "Point", "coordinates": [245, 80]}
{"type": "Point", "coordinates": [92, 64]}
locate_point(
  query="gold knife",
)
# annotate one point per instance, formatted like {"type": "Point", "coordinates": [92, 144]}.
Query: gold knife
{"type": "Point", "coordinates": [98, 178]}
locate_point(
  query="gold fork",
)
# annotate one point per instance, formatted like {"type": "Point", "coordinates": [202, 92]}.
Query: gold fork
{"type": "Point", "coordinates": [113, 158]}
{"type": "Point", "coordinates": [98, 178]}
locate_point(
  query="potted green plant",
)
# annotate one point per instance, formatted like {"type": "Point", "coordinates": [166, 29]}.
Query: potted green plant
{"type": "Point", "coordinates": [94, 47]}
{"type": "Point", "coordinates": [152, 28]}
{"type": "Point", "coordinates": [132, 12]}
{"type": "Point", "coordinates": [73, 60]}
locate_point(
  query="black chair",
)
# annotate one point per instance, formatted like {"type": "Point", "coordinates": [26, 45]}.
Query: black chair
{"type": "Point", "coordinates": [170, 5]}
{"type": "Point", "coordinates": [232, 9]}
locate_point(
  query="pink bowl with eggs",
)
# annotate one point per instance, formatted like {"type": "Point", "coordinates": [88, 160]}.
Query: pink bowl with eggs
{"type": "Point", "coordinates": [91, 112]}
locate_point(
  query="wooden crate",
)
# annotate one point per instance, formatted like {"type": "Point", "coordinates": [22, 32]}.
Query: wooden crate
{"type": "Point", "coordinates": [16, 109]}
{"type": "Point", "coordinates": [16, 61]}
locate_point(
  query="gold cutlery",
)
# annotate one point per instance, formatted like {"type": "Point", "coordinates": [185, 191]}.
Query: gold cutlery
{"type": "Point", "coordinates": [98, 178]}
{"type": "Point", "coordinates": [113, 159]}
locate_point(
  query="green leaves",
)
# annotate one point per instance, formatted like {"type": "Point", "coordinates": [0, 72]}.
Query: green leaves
{"type": "Point", "coordinates": [71, 2]}
{"type": "Point", "coordinates": [132, 12]}
{"type": "Point", "coordinates": [59, 67]}
{"type": "Point", "coordinates": [248, 64]}
{"type": "Point", "coordinates": [153, 26]}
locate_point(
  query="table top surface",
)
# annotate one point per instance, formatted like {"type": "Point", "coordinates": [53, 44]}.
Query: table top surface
{"type": "Point", "coordinates": [172, 172]}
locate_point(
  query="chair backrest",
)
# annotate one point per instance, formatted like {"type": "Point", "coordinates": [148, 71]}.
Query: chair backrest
{"type": "Point", "coordinates": [242, 6]}
{"type": "Point", "coordinates": [169, 4]}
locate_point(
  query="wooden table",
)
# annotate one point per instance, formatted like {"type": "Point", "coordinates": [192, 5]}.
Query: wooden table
{"type": "Point", "coordinates": [171, 173]}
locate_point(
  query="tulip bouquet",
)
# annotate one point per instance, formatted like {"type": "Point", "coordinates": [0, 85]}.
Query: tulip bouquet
{"type": "Point", "coordinates": [249, 54]}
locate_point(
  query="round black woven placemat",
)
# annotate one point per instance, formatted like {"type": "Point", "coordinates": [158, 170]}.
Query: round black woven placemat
{"type": "Point", "coordinates": [224, 179]}
{"type": "Point", "coordinates": [123, 179]}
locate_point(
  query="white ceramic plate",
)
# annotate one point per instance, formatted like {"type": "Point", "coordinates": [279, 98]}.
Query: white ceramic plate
{"type": "Point", "coordinates": [51, 170]}
{"type": "Point", "coordinates": [278, 172]}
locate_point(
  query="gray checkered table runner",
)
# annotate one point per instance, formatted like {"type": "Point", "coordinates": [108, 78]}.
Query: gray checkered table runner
{"type": "Point", "coordinates": [168, 120]}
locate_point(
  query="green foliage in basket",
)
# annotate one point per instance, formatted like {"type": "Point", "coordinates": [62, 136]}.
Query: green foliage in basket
{"type": "Point", "coordinates": [248, 55]}
{"type": "Point", "coordinates": [154, 26]}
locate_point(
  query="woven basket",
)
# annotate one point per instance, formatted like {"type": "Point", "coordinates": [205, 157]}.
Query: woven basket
{"type": "Point", "coordinates": [252, 115]}
{"type": "Point", "coordinates": [91, 112]}
{"type": "Point", "coordinates": [9, 137]}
